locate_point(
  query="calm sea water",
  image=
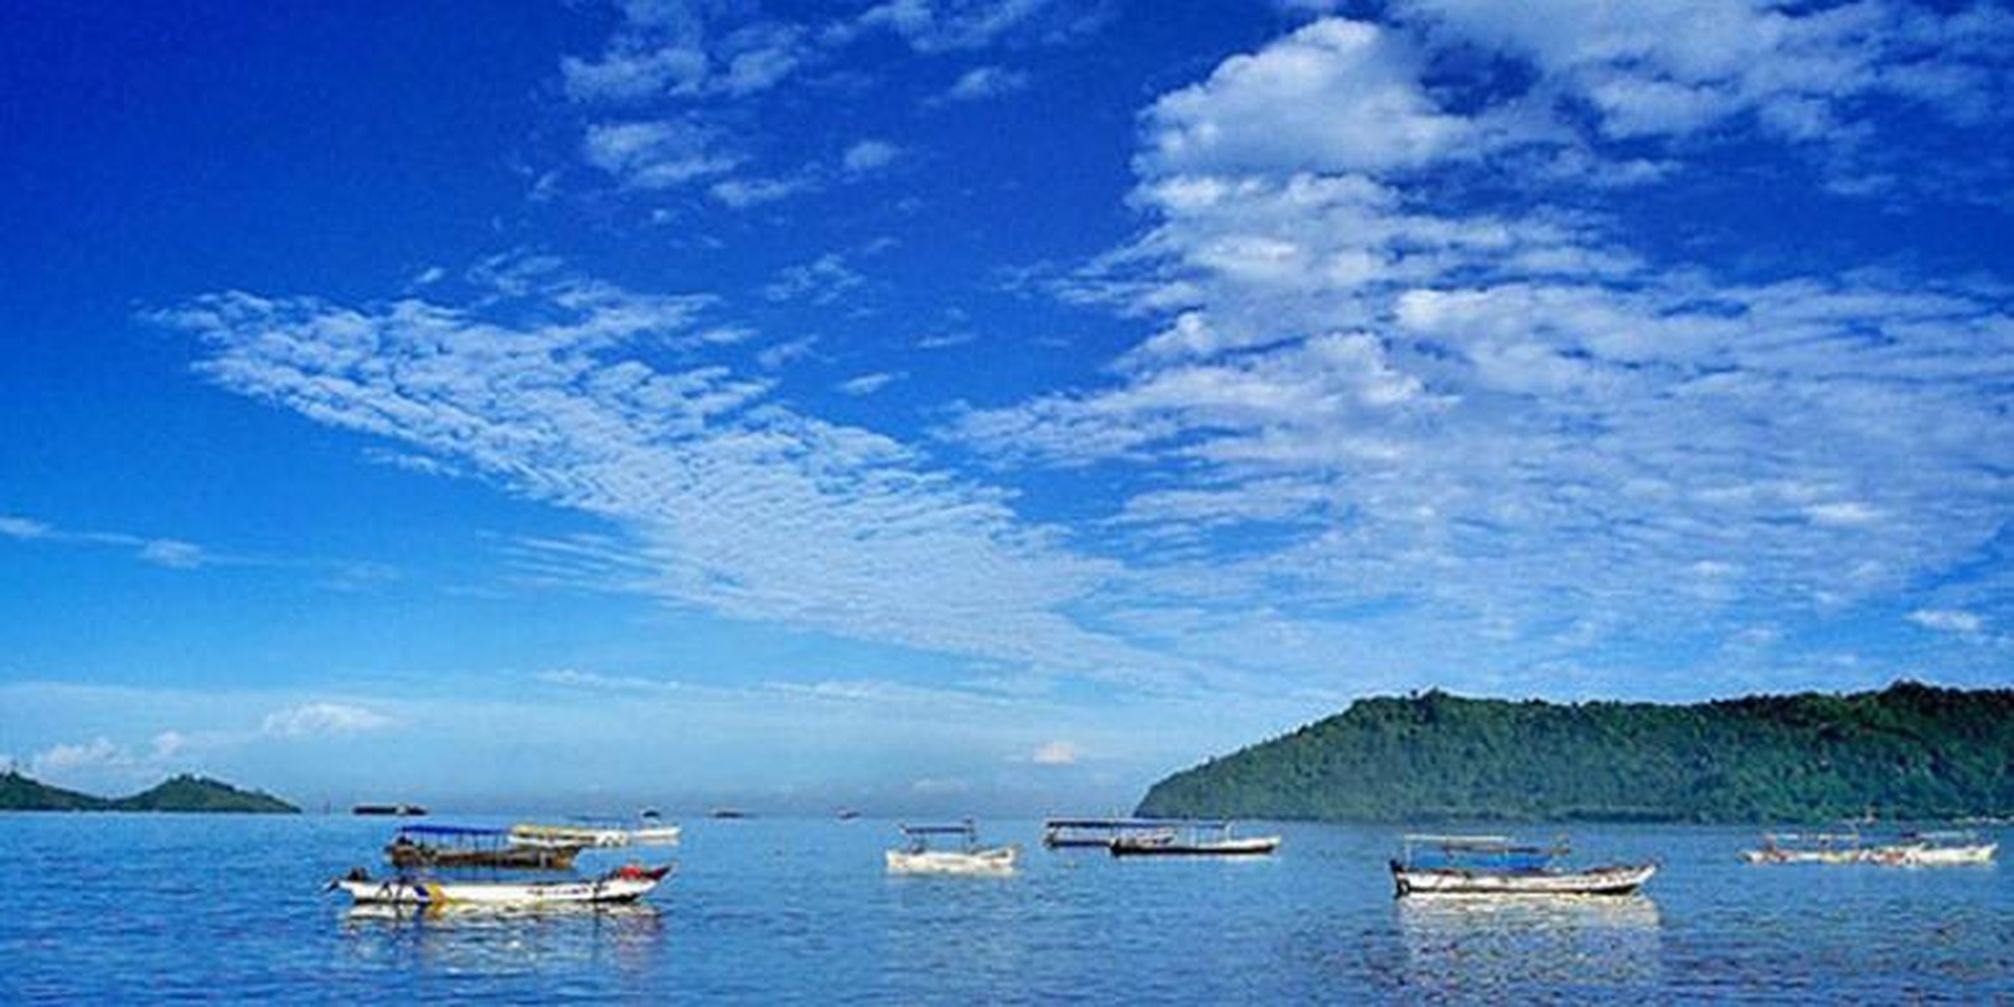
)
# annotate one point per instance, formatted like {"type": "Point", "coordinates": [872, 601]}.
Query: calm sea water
{"type": "Point", "coordinates": [123, 908]}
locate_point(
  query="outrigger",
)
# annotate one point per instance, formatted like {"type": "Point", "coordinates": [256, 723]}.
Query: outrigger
{"type": "Point", "coordinates": [427, 846]}
{"type": "Point", "coordinates": [1497, 865]}
{"type": "Point", "coordinates": [1194, 839]}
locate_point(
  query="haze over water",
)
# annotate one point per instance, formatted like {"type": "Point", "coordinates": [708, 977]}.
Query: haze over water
{"type": "Point", "coordinates": [104, 908]}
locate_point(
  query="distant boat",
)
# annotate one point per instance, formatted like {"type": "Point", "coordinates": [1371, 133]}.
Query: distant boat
{"type": "Point", "coordinates": [1807, 848]}
{"type": "Point", "coordinates": [579, 835]}
{"type": "Point", "coordinates": [400, 810]}
{"type": "Point", "coordinates": [624, 884]}
{"type": "Point", "coordinates": [653, 830]}
{"type": "Point", "coordinates": [1193, 839]}
{"type": "Point", "coordinates": [920, 856]}
{"type": "Point", "coordinates": [1495, 865]}
{"type": "Point", "coordinates": [727, 813]}
{"type": "Point", "coordinates": [848, 814]}
{"type": "Point", "coordinates": [1098, 833]}
{"type": "Point", "coordinates": [1934, 849]}
{"type": "Point", "coordinates": [447, 846]}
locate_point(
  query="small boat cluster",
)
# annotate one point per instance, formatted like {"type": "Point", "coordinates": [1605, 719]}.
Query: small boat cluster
{"type": "Point", "coordinates": [436, 865]}
{"type": "Point", "coordinates": [1910, 849]}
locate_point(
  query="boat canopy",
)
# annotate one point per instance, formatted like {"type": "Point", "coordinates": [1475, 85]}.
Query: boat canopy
{"type": "Point", "coordinates": [965, 828]}
{"type": "Point", "coordinates": [451, 830]}
{"type": "Point", "coordinates": [1109, 823]}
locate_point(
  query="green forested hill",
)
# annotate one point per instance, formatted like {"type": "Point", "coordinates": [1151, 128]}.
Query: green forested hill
{"type": "Point", "coordinates": [179, 793]}
{"type": "Point", "coordinates": [1910, 751]}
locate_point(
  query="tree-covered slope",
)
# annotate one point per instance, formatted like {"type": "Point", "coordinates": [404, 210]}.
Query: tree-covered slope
{"type": "Point", "coordinates": [19, 793]}
{"type": "Point", "coordinates": [1910, 751]}
{"type": "Point", "coordinates": [197, 793]}
{"type": "Point", "coordinates": [180, 793]}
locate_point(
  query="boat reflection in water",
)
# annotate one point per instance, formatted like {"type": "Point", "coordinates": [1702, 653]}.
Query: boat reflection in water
{"type": "Point", "coordinates": [1509, 949]}
{"type": "Point", "coordinates": [484, 939]}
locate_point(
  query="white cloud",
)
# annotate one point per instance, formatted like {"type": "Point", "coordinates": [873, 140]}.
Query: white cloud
{"type": "Point", "coordinates": [869, 155]}
{"type": "Point", "coordinates": [742, 193]}
{"type": "Point", "coordinates": [1056, 753]}
{"type": "Point", "coordinates": [867, 384]}
{"type": "Point", "coordinates": [310, 720]}
{"type": "Point", "coordinates": [821, 281]}
{"type": "Point", "coordinates": [98, 753]}
{"type": "Point", "coordinates": [1945, 620]}
{"type": "Point", "coordinates": [173, 553]}
{"type": "Point", "coordinates": [940, 785]}
{"type": "Point", "coordinates": [982, 82]}
{"type": "Point", "coordinates": [657, 154]}
{"type": "Point", "coordinates": [22, 528]}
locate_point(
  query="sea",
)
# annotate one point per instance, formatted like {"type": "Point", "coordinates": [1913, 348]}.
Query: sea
{"type": "Point", "coordinates": [119, 908]}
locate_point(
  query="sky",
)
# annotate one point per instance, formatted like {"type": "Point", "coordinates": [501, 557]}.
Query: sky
{"type": "Point", "coordinates": [976, 406]}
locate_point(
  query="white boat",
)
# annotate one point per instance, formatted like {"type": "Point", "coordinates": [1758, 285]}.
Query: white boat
{"type": "Point", "coordinates": [920, 857]}
{"type": "Point", "coordinates": [1934, 849]}
{"type": "Point", "coordinates": [1495, 865]}
{"type": "Point", "coordinates": [624, 884]}
{"type": "Point", "coordinates": [1098, 833]}
{"type": "Point", "coordinates": [592, 833]}
{"type": "Point", "coordinates": [1807, 848]}
{"type": "Point", "coordinates": [652, 830]}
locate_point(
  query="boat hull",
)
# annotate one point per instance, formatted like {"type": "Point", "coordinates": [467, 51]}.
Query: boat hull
{"type": "Point", "coordinates": [998, 860]}
{"type": "Point", "coordinates": [614, 888]}
{"type": "Point", "coordinates": [1256, 846]}
{"type": "Point", "coordinates": [1934, 856]}
{"type": "Point", "coordinates": [1598, 881]}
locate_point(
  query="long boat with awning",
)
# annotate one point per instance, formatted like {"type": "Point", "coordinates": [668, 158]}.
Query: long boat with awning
{"type": "Point", "coordinates": [1499, 865]}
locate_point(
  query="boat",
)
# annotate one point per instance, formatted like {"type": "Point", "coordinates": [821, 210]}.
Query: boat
{"type": "Point", "coordinates": [430, 846]}
{"type": "Point", "coordinates": [1497, 865]}
{"type": "Point", "coordinates": [1193, 839]}
{"type": "Point", "coordinates": [597, 833]}
{"type": "Point", "coordinates": [1098, 833]}
{"type": "Point", "coordinates": [918, 856]}
{"type": "Point", "coordinates": [1807, 848]}
{"type": "Point", "coordinates": [727, 813]}
{"type": "Point", "coordinates": [398, 810]}
{"type": "Point", "coordinates": [624, 884]}
{"type": "Point", "coordinates": [848, 814]}
{"type": "Point", "coordinates": [1934, 849]}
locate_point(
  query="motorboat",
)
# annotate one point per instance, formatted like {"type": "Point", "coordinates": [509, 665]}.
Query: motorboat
{"type": "Point", "coordinates": [922, 854]}
{"type": "Point", "coordinates": [1934, 849]}
{"type": "Point", "coordinates": [1498, 865]}
{"type": "Point", "coordinates": [1193, 839]}
{"type": "Point", "coordinates": [579, 834]}
{"type": "Point", "coordinates": [624, 884]}
{"type": "Point", "coordinates": [440, 846]}
{"type": "Point", "coordinates": [652, 830]}
{"type": "Point", "coordinates": [1807, 848]}
{"type": "Point", "coordinates": [390, 810]}
{"type": "Point", "coordinates": [1098, 833]}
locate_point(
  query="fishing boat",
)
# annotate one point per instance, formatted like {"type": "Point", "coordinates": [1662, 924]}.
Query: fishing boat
{"type": "Point", "coordinates": [1193, 839]}
{"type": "Point", "coordinates": [598, 833]}
{"type": "Point", "coordinates": [1934, 849]}
{"type": "Point", "coordinates": [652, 830]}
{"type": "Point", "coordinates": [430, 846]}
{"type": "Point", "coordinates": [1076, 833]}
{"type": "Point", "coordinates": [919, 855]}
{"type": "Point", "coordinates": [727, 813]}
{"type": "Point", "coordinates": [1496, 865]}
{"type": "Point", "coordinates": [392, 810]}
{"type": "Point", "coordinates": [624, 884]}
{"type": "Point", "coordinates": [1807, 848]}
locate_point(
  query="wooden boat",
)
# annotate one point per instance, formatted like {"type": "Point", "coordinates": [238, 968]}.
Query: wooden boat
{"type": "Point", "coordinates": [624, 884]}
{"type": "Point", "coordinates": [727, 813]}
{"type": "Point", "coordinates": [1098, 833]}
{"type": "Point", "coordinates": [1495, 865]}
{"type": "Point", "coordinates": [1193, 839]}
{"type": "Point", "coordinates": [1934, 849]}
{"type": "Point", "coordinates": [1807, 848]}
{"type": "Point", "coordinates": [597, 833]}
{"type": "Point", "coordinates": [919, 856]}
{"type": "Point", "coordinates": [437, 846]}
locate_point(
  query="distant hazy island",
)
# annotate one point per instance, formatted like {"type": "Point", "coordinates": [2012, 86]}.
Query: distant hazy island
{"type": "Point", "coordinates": [1908, 752]}
{"type": "Point", "coordinates": [177, 793]}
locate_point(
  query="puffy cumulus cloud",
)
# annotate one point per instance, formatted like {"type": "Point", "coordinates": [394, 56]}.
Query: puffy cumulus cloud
{"type": "Point", "coordinates": [1398, 372]}
{"type": "Point", "coordinates": [983, 82]}
{"type": "Point", "coordinates": [314, 720]}
{"type": "Point", "coordinates": [1056, 753]}
{"type": "Point", "coordinates": [869, 155]}
{"type": "Point", "coordinates": [717, 495]}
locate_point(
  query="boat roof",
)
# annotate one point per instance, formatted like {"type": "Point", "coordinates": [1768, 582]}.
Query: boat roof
{"type": "Point", "coordinates": [965, 827]}
{"type": "Point", "coordinates": [452, 830]}
{"type": "Point", "coordinates": [1109, 823]}
{"type": "Point", "coordinates": [1484, 844]}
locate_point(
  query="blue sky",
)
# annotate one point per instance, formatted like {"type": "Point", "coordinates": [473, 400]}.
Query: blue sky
{"type": "Point", "coordinates": [992, 405]}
